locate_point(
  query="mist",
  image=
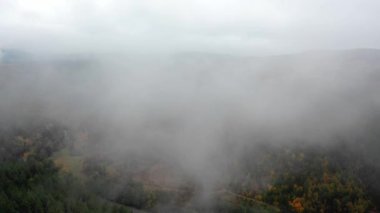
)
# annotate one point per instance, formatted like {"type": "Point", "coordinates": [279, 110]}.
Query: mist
{"type": "Point", "coordinates": [189, 107]}
{"type": "Point", "coordinates": [194, 92]}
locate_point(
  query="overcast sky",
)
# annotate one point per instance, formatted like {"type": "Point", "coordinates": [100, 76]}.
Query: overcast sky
{"type": "Point", "coordinates": [223, 26]}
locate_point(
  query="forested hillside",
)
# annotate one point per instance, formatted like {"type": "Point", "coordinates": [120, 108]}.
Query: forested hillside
{"type": "Point", "coordinates": [42, 171]}
{"type": "Point", "coordinates": [290, 133]}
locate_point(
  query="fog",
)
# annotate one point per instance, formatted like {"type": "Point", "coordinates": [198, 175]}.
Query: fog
{"type": "Point", "coordinates": [197, 110]}
{"type": "Point", "coordinates": [189, 87]}
{"type": "Point", "coordinates": [240, 27]}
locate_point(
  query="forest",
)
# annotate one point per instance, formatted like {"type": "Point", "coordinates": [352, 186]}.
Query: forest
{"type": "Point", "coordinates": [189, 106]}
{"type": "Point", "coordinates": [42, 170]}
{"type": "Point", "coordinates": [203, 133]}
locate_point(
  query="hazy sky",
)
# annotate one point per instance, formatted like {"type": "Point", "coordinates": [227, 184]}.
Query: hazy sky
{"type": "Point", "coordinates": [223, 26]}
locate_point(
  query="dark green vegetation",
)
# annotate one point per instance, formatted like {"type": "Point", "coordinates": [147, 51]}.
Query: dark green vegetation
{"type": "Point", "coordinates": [31, 182]}
{"type": "Point", "coordinates": [42, 171]}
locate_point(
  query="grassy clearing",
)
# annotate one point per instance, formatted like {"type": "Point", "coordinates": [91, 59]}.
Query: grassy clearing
{"type": "Point", "coordinates": [69, 163]}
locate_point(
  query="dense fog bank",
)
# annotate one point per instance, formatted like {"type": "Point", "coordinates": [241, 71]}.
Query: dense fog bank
{"type": "Point", "coordinates": [190, 105]}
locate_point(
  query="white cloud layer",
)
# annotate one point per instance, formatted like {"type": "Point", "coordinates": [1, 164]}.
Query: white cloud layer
{"type": "Point", "coordinates": [224, 26]}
